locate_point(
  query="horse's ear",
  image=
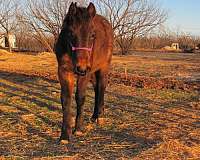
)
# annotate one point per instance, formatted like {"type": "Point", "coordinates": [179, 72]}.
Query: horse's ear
{"type": "Point", "coordinates": [72, 8]}
{"type": "Point", "coordinates": [91, 10]}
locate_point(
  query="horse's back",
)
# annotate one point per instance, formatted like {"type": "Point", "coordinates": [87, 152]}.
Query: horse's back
{"type": "Point", "coordinates": [104, 25]}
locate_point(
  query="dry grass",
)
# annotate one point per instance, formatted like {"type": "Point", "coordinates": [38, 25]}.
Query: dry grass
{"type": "Point", "coordinates": [4, 52]}
{"type": "Point", "coordinates": [139, 123]}
{"type": "Point", "coordinates": [179, 65]}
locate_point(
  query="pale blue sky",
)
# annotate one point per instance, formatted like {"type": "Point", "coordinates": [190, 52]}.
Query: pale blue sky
{"type": "Point", "coordinates": [183, 15]}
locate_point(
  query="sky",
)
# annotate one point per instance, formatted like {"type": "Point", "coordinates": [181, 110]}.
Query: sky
{"type": "Point", "coordinates": [183, 15]}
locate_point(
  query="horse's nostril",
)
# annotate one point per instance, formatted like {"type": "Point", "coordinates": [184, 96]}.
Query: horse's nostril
{"type": "Point", "coordinates": [88, 69]}
{"type": "Point", "coordinates": [80, 71]}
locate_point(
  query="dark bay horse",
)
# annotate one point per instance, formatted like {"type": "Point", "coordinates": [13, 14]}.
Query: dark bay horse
{"type": "Point", "coordinates": [84, 52]}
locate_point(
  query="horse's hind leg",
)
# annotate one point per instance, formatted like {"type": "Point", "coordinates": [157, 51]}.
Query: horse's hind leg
{"type": "Point", "coordinates": [80, 99]}
{"type": "Point", "coordinates": [99, 87]}
{"type": "Point", "coordinates": [67, 85]}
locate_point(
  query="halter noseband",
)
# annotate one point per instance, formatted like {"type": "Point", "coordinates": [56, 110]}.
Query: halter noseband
{"type": "Point", "coordinates": [82, 48]}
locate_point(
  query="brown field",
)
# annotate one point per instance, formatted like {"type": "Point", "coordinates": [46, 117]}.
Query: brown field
{"type": "Point", "coordinates": [141, 121]}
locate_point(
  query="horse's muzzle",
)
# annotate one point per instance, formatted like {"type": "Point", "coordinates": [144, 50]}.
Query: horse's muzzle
{"type": "Point", "coordinates": [82, 72]}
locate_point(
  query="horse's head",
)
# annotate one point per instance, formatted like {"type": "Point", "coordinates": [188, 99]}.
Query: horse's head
{"type": "Point", "coordinates": [79, 34]}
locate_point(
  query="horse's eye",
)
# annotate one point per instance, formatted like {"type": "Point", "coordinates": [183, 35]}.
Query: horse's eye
{"type": "Point", "coordinates": [92, 36]}
{"type": "Point", "coordinates": [70, 34]}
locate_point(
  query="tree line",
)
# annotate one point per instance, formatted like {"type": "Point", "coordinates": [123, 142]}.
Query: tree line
{"type": "Point", "coordinates": [37, 23]}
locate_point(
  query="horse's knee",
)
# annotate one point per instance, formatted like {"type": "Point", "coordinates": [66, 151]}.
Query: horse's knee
{"type": "Point", "coordinates": [80, 99]}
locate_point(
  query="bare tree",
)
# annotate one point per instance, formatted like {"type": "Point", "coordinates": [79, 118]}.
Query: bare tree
{"type": "Point", "coordinates": [131, 18]}
{"type": "Point", "coordinates": [45, 18]}
{"type": "Point", "coordinates": [25, 40]}
{"type": "Point", "coordinates": [8, 18]}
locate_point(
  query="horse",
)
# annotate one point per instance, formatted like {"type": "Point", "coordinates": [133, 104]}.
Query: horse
{"type": "Point", "coordinates": [84, 51]}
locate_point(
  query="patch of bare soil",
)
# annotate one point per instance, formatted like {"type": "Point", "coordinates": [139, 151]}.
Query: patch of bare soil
{"type": "Point", "coordinates": [152, 82]}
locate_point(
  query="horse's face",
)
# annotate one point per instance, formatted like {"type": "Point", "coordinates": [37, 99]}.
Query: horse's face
{"type": "Point", "coordinates": [80, 36]}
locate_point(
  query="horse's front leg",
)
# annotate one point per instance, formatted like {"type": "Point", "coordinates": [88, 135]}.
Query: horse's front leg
{"type": "Point", "coordinates": [67, 85]}
{"type": "Point", "coordinates": [80, 99]}
{"type": "Point", "coordinates": [99, 87]}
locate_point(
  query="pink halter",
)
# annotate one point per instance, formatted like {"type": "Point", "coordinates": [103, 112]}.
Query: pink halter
{"type": "Point", "coordinates": [82, 48]}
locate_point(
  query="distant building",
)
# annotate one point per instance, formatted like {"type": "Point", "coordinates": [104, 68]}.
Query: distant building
{"type": "Point", "coordinates": [198, 46]}
{"type": "Point", "coordinates": [175, 46]}
{"type": "Point", "coordinates": [4, 41]}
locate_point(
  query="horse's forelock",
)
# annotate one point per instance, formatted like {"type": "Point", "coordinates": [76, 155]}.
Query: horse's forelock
{"type": "Point", "coordinates": [81, 16]}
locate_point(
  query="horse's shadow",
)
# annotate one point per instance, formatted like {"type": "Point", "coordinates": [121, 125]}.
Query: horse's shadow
{"type": "Point", "coordinates": [28, 90]}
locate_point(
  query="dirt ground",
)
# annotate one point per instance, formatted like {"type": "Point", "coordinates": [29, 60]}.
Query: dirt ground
{"type": "Point", "coordinates": [141, 123]}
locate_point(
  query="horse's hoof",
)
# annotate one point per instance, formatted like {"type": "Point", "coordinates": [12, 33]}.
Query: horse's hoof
{"type": "Point", "coordinates": [78, 133]}
{"type": "Point", "coordinates": [64, 142]}
{"type": "Point", "coordinates": [64, 139]}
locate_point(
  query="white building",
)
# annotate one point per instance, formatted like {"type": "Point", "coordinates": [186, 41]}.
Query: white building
{"type": "Point", "coordinates": [175, 46]}
{"type": "Point", "coordinates": [4, 41]}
